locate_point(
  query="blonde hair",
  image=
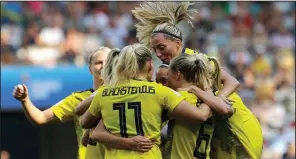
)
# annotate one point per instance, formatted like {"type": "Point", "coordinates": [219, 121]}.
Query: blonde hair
{"type": "Point", "coordinates": [131, 61]}
{"type": "Point", "coordinates": [101, 49]}
{"type": "Point", "coordinates": [161, 17]}
{"type": "Point", "coordinates": [197, 68]}
{"type": "Point", "coordinates": [108, 71]}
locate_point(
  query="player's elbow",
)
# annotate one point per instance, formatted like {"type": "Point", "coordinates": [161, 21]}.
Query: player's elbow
{"type": "Point", "coordinates": [201, 117]}
{"type": "Point", "coordinates": [38, 123]}
{"type": "Point", "coordinates": [236, 83]}
{"type": "Point", "coordinates": [226, 78]}
{"type": "Point", "coordinates": [204, 117]}
{"type": "Point", "coordinates": [78, 111]}
{"type": "Point", "coordinates": [96, 136]}
{"type": "Point", "coordinates": [38, 120]}
{"type": "Point", "coordinates": [83, 123]}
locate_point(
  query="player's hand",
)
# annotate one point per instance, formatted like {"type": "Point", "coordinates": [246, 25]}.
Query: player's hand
{"type": "Point", "coordinates": [226, 100]}
{"type": "Point", "coordinates": [20, 92]}
{"type": "Point", "coordinates": [139, 143]}
{"type": "Point", "coordinates": [190, 89]}
{"type": "Point", "coordinates": [85, 138]}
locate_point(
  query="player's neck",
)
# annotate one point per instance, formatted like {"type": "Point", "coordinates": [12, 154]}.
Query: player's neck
{"type": "Point", "coordinates": [186, 84]}
{"type": "Point", "coordinates": [97, 83]}
{"type": "Point", "coordinates": [180, 50]}
{"type": "Point", "coordinates": [142, 77]}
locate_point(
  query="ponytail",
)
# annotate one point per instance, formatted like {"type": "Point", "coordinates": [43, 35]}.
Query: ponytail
{"type": "Point", "coordinates": [111, 61]}
{"type": "Point", "coordinates": [161, 17]}
{"type": "Point", "coordinates": [202, 76]}
{"type": "Point", "coordinates": [131, 61]}
{"type": "Point", "coordinates": [196, 68]}
{"type": "Point", "coordinates": [216, 72]}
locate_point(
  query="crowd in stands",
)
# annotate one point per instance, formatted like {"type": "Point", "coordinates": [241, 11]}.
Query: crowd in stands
{"type": "Point", "coordinates": [254, 41]}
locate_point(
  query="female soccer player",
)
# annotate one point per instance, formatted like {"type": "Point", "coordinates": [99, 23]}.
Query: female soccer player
{"type": "Point", "coordinates": [191, 140]}
{"type": "Point", "coordinates": [64, 110]}
{"type": "Point", "coordinates": [162, 74]}
{"type": "Point", "coordinates": [132, 106]}
{"type": "Point", "coordinates": [239, 136]}
{"type": "Point", "coordinates": [156, 28]}
{"type": "Point", "coordinates": [97, 150]}
{"type": "Point", "coordinates": [94, 149]}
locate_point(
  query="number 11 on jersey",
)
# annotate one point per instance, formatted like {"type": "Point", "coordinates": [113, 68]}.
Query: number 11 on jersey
{"type": "Point", "coordinates": [122, 117]}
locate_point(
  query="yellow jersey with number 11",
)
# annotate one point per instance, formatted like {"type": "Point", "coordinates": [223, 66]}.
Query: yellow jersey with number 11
{"type": "Point", "coordinates": [134, 108]}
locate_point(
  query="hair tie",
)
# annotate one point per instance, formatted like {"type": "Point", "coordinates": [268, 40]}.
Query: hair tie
{"type": "Point", "coordinates": [164, 32]}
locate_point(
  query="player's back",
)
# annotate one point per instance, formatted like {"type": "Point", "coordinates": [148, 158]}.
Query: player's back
{"type": "Point", "coordinates": [135, 108]}
{"type": "Point", "coordinates": [191, 140]}
{"type": "Point", "coordinates": [245, 130]}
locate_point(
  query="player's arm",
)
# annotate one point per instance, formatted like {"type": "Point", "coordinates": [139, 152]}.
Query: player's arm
{"type": "Point", "coordinates": [33, 114]}
{"type": "Point", "coordinates": [84, 105]}
{"type": "Point", "coordinates": [230, 84]}
{"type": "Point", "coordinates": [185, 111]}
{"type": "Point", "coordinates": [91, 117]}
{"type": "Point", "coordinates": [88, 120]}
{"type": "Point", "coordinates": [218, 105]}
{"type": "Point", "coordinates": [137, 143]}
{"type": "Point", "coordinates": [181, 109]}
{"type": "Point", "coordinates": [85, 137]}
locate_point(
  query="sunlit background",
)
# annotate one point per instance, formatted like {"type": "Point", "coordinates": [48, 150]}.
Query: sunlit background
{"type": "Point", "coordinates": [46, 44]}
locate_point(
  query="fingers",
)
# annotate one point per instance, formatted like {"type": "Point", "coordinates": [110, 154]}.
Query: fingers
{"type": "Point", "coordinates": [142, 144]}
{"type": "Point", "coordinates": [227, 102]}
{"type": "Point", "coordinates": [25, 88]}
{"type": "Point", "coordinates": [144, 148]}
{"type": "Point", "coordinates": [19, 92]}
{"type": "Point", "coordinates": [146, 144]}
{"type": "Point", "coordinates": [141, 139]}
{"type": "Point", "coordinates": [232, 101]}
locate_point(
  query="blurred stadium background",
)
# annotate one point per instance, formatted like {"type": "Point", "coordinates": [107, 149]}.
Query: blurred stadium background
{"type": "Point", "coordinates": [45, 45]}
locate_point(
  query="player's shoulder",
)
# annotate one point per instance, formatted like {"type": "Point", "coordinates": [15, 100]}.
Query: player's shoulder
{"type": "Point", "coordinates": [189, 51]}
{"type": "Point", "coordinates": [183, 93]}
{"type": "Point", "coordinates": [83, 92]}
{"type": "Point", "coordinates": [166, 90]}
{"type": "Point", "coordinates": [188, 96]}
{"type": "Point", "coordinates": [152, 83]}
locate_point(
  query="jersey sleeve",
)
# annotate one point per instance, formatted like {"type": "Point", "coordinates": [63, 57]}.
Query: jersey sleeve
{"type": "Point", "coordinates": [95, 107]}
{"type": "Point", "coordinates": [65, 109]}
{"type": "Point", "coordinates": [169, 98]}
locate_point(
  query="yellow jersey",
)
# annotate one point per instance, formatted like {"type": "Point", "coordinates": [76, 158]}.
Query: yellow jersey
{"type": "Point", "coordinates": [94, 149]}
{"type": "Point", "coordinates": [188, 51]}
{"type": "Point", "coordinates": [239, 136]}
{"type": "Point", "coordinates": [192, 141]}
{"type": "Point", "coordinates": [134, 108]}
{"type": "Point", "coordinates": [65, 110]}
